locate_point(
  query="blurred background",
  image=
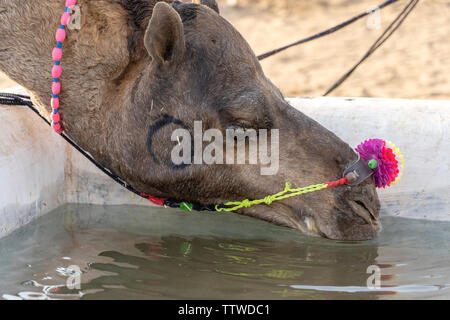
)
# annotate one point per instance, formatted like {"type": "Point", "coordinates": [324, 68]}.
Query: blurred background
{"type": "Point", "coordinates": [414, 63]}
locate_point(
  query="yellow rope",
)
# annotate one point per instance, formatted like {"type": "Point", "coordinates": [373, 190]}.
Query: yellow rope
{"type": "Point", "coordinates": [286, 193]}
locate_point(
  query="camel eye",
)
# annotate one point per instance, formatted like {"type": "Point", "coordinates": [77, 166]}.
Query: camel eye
{"type": "Point", "coordinates": [236, 127]}
{"type": "Point", "coordinates": [241, 132]}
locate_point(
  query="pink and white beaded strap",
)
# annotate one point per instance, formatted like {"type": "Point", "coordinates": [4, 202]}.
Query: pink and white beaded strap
{"type": "Point", "coordinates": [57, 69]}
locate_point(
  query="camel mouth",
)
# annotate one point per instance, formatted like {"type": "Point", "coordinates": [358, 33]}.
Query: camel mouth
{"type": "Point", "coordinates": [358, 222]}
{"type": "Point", "coordinates": [364, 224]}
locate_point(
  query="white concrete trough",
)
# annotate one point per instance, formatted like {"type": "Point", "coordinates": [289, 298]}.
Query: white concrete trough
{"type": "Point", "coordinates": [39, 171]}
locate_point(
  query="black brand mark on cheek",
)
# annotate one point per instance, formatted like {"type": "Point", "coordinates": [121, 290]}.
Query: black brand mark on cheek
{"type": "Point", "coordinates": [158, 125]}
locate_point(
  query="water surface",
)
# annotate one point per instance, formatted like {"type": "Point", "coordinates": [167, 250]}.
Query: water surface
{"type": "Point", "coordinates": [131, 252]}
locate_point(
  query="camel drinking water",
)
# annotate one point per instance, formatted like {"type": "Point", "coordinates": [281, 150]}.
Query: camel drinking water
{"type": "Point", "coordinates": [133, 63]}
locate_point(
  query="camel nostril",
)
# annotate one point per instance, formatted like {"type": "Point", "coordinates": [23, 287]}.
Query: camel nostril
{"type": "Point", "coordinates": [362, 204]}
{"type": "Point", "coordinates": [363, 211]}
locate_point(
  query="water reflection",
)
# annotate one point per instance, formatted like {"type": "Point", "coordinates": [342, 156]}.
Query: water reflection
{"type": "Point", "coordinates": [177, 267]}
{"type": "Point", "coordinates": [131, 253]}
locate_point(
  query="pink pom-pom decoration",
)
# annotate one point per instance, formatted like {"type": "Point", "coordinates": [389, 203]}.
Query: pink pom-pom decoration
{"type": "Point", "coordinates": [56, 87]}
{"type": "Point", "coordinates": [65, 18]}
{"type": "Point", "coordinates": [386, 170]}
{"type": "Point", "coordinates": [57, 127]}
{"type": "Point", "coordinates": [56, 71]}
{"type": "Point", "coordinates": [55, 103]}
{"type": "Point", "coordinates": [60, 35]}
{"type": "Point", "coordinates": [57, 54]}
{"type": "Point", "coordinates": [56, 117]}
{"type": "Point", "coordinates": [71, 3]}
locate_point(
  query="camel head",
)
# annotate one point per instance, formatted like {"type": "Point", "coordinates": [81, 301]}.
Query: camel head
{"type": "Point", "coordinates": [137, 71]}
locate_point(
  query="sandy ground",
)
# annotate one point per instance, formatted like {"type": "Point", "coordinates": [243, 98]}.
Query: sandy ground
{"type": "Point", "coordinates": [414, 63]}
{"type": "Point", "coordinates": [5, 82]}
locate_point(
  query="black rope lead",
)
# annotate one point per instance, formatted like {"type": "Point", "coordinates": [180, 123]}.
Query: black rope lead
{"type": "Point", "coordinates": [326, 32]}
{"type": "Point", "coordinates": [395, 24]}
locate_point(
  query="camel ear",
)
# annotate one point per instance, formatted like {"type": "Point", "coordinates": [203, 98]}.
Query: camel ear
{"type": "Point", "coordinates": [212, 4]}
{"type": "Point", "coordinates": [164, 37]}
